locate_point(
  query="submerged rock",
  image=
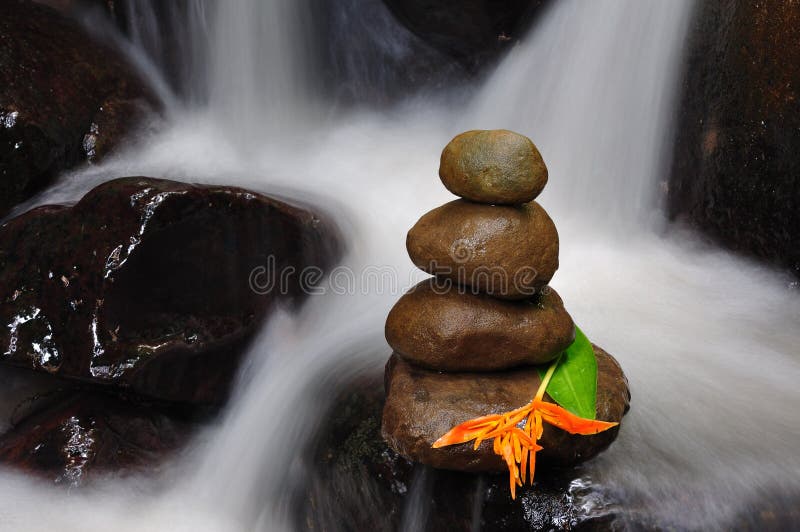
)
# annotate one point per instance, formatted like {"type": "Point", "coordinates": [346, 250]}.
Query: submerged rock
{"type": "Point", "coordinates": [452, 331]}
{"type": "Point", "coordinates": [153, 285]}
{"type": "Point", "coordinates": [422, 405]}
{"type": "Point", "coordinates": [82, 435]}
{"type": "Point", "coordinates": [509, 252]}
{"type": "Point", "coordinates": [64, 98]}
{"type": "Point", "coordinates": [495, 166]}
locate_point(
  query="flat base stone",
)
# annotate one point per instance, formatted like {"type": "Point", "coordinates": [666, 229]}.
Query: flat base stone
{"type": "Point", "coordinates": [423, 405]}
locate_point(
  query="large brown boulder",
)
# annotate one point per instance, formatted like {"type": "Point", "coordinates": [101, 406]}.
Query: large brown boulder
{"type": "Point", "coordinates": [153, 285]}
{"type": "Point", "coordinates": [447, 330]}
{"type": "Point", "coordinates": [78, 436]}
{"type": "Point", "coordinates": [509, 252]}
{"type": "Point", "coordinates": [736, 162]}
{"type": "Point", "coordinates": [493, 166]}
{"type": "Point", "coordinates": [64, 98]}
{"type": "Point", "coordinates": [422, 405]}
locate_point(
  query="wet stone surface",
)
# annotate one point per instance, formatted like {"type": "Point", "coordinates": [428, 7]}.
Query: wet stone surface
{"type": "Point", "coordinates": [73, 437]}
{"type": "Point", "coordinates": [452, 331]}
{"type": "Point", "coordinates": [422, 405]}
{"type": "Point", "coordinates": [151, 285]}
{"type": "Point", "coordinates": [508, 252]}
{"type": "Point", "coordinates": [493, 166]}
{"type": "Point", "coordinates": [64, 98]}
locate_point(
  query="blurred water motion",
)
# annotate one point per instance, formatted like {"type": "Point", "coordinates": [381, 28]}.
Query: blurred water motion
{"type": "Point", "coordinates": [708, 341]}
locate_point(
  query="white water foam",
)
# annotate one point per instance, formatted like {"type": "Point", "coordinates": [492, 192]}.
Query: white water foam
{"type": "Point", "coordinates": [709, 341]}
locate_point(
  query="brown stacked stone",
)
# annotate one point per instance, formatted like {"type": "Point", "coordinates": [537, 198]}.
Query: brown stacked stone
{"type": "Point", "coordinates": [466, 341]}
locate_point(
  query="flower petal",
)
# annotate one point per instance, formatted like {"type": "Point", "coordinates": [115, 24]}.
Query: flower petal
{"type": "Point", "coordinates": [565, 420]}
{"type": "Point", "coordinates": [459, 434]}
{"type": "Point", "coordinates": [523, 464]}
{"type": "Point", "coordinates": [508, 423]}
{"type": "Point", "coordinates": [537, 425]}
{"type": "Point", "coordinates": [532, 464]}
{"type": "Point", "coordinates": [524, 439]}
{"type": "Point", "coordinates": [483, 420]}
{"type": "Point", "coordinates": [508, 455]}
{"type": "Point", "coordinates": [481, 436]}
{"type": "Point", "coordinates": [517, 446]}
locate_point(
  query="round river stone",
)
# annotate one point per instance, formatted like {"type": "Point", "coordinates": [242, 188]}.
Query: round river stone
{"type": "Point", "coordinates": [509, 252]}
{"type": "Point", "coordinates": [493, 166]}
{"type": "Point", "coordinates": [422, 405]}
{"type": "Point", "coordinates": [451, 331]}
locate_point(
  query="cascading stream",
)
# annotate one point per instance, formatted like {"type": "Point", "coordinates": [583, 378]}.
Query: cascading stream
{"type": "Point", "coordinates": [594, 86]}
{"type": "Point", "coordinates": [708, 341]}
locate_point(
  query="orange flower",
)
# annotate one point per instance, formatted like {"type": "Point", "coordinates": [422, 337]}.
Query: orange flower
{"type": "Point", "coordinates": [519, 445]}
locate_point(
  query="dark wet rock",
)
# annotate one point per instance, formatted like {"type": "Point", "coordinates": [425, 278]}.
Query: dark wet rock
{"type": "Point", "coordinates": [357, 482]}
{"type": "Point", "coordinates": [472, 31]}
{"type": "Point", "coordinates": [493, 166]}
{"type": "Point", "coordinates": [64, 98]}
{"type": "Point", "coordinates": [508, 252]}
{"type": "Point", "coordinates": [153, 285]}
{"type": "Point", "coordinates": [422, 405]}
{"type": "Point", "coordinates": [451, 331]}
{"type": "Point", "coordinates": [736, 163]}
{"type": "Point", "coordinates": [78, 436]}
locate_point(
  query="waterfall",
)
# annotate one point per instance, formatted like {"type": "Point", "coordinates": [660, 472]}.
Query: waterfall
{"type": "Point", "coordinates": [594, 88]}
{"type": "Point", "coordinates": [708, 341]}
{"type": "Point", "coordinates": [262, 62]}
{"type": "Point", "coordinates": [253, 63]}
{"type": "Point", "coordinates": [175, 37]}
{"type": "Point", "coordinates": [261, 66]}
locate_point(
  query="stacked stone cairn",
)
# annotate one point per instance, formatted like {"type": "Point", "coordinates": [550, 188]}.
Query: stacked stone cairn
{"type": "Point", "coordinates": [470, 340]}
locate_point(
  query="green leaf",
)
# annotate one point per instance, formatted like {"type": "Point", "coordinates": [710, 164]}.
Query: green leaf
{"type": "Point", "coordinates": [574, 383]}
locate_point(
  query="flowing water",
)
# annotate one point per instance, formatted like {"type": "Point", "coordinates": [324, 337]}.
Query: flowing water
{"type": "Point", "coordinates": [708, 341]}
